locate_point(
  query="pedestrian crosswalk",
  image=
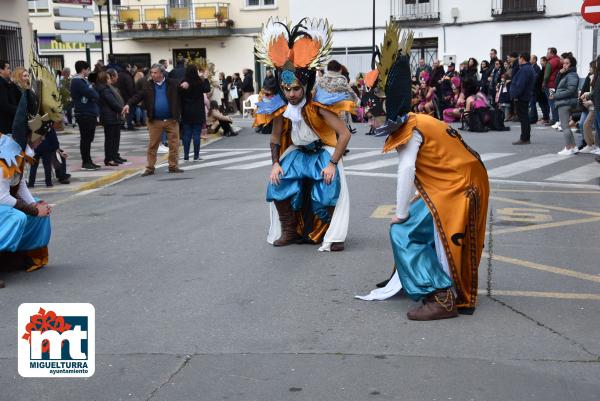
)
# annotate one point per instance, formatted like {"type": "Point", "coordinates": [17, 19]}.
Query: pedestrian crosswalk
{"type": "Point", "coordinates": [542, 168]}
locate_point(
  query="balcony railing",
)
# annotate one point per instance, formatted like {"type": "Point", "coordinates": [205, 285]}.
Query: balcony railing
{"type": "Point", "coordinates": [154, 17]}
{"type": "Point", "coordinates": [415, 10]}
{"type": "Point", "coordinates": [516, 8]}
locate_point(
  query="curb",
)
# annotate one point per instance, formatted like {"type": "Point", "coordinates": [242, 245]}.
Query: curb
{"type": "Point", "coordinates": [127, 173]}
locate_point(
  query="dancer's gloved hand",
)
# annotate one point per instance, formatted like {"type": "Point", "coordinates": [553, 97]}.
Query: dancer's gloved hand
{"type": "Point", "coordinates": [398, 220]}
{"type": "Point", "coordinates": [276, 173]}
{"type": "Point", "coordinates": [328, 173]}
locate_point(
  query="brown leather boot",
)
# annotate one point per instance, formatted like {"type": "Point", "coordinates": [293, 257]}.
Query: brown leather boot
{"type": "Point", "coordinates": [438, 305]}
{"type": "Point", "coordinates": [2, 284]}
{"type": "Point", "coordinates": [288, 220]}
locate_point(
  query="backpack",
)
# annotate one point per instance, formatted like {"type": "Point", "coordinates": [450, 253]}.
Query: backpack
{"type": "Point", "coordinates": [496, 122]}
{"type": "Point", "coordinates": [474, 121]}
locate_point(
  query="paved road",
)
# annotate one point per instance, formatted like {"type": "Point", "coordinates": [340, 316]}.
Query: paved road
{"type": "Point", "coordinates": [193, 304]}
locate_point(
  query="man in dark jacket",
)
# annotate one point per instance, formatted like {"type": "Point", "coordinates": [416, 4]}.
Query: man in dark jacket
{"type": "Point", "coordinates": [178, 72]}
{"type": "Point", "coordinates": [162, 103]}
{"type": "Point", "coordinates": [85, 103]}
{"type": "Point", "coordinates": [8, 102]}
{"type": "Point", "coordinates": [247, 84]}
{"type": "Point", "coordinates": [521, 91]}
{"type": "Point", "coordinates": [126, 87]}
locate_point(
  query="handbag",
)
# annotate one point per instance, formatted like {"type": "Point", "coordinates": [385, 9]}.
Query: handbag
{"type": "Point", "coordinates": [234, 92]}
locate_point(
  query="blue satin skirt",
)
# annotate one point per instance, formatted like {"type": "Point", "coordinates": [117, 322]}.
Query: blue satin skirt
{"type": "Point", "coordinates": [20, 232]}
{"type": "Point", "coordinates": [299, 166]}
{"type": "Point", "coordinates": [413, 244]}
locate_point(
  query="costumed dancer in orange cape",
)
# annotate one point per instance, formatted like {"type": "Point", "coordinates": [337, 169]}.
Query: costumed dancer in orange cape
{"type": "Point", "coordinates": [308, 194]}
{"type": "Point", "coordinates": [438, 236]}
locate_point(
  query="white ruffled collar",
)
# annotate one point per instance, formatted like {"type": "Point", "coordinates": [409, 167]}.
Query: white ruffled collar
{"type": "Point", "coordinates": [293, 112]}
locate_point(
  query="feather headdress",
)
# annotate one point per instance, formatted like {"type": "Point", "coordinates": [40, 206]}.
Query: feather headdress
{"type": "Point", "coordinates": [295, 52]}
{"type": "Point", "coordinates": [394, 76]}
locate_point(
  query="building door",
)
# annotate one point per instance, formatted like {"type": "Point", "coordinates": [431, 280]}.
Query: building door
{"type": "Point", "coordinates": [423, 48]}
{"type": "Point", "coordinates": [515, 43]}
{"type": "Point", "coordinates": [189, 54]}
{"type": "Point", "coordinates": [56, 62]}
{"type": "Point", "coordinates": [140, 59]}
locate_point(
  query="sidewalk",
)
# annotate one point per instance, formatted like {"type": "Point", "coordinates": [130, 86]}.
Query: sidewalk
{"type": "Point", "coordinates": [132, 147]}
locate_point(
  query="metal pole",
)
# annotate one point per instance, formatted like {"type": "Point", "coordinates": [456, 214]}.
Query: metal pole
{"type": "Point", "coordinates": [101, 34]}
{"type": "Point", "coordinates": [88, 56]}
{"type": "Point", "coordinates": [373, 43]}
{"type": "Point", "coordinates": [110, 47]}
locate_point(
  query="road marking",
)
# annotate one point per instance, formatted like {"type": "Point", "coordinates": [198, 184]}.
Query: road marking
{"type": "Point", "coordinates": [227, 161]}
{"type": "Point", "coordinates": [549, 269]}
{"type": "Point", "coordinates": [558, 208]}
{"type": "Point", "coordinates": [542, 294]}
{"type": "Point", "coordinates": [582, 174]}
{"type": "Point", "coordinates": [224, 154]}
{"type": "Point", "coordinates": [373, 165]}
{"type": "Point", "coordinates": [563, 223]}
{"type": "Point", "coordinates": [494, 181]}
{"type": "Point", "coordinates": [354, 156]}
{"type": "Point", "coordinates": [249, 166]}
{"type": "Point", "coordinates": [383, 212]}
{"type": "Point", "coordinates": [492, 156]}
{"type": "Point", "coordinates": [525, 215]}
{"type": "Point", "coordinates": [525, 191]}
{"type": "Point", "coordinates": [524, 166]}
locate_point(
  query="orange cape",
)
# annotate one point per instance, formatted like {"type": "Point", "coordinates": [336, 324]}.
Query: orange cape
{"type": "Point", "coordinates": [453, 182]}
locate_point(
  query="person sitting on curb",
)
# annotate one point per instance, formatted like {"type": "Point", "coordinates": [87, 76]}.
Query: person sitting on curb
{"type": "Point", "coordinates": [217, 120]}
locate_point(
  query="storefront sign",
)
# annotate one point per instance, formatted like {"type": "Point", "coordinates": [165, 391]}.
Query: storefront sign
{"type": "Point", "coordinates": [49, 43]}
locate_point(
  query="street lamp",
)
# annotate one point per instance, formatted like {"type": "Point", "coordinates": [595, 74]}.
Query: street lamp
{"type": "Point", "coordinates": [101, 3]}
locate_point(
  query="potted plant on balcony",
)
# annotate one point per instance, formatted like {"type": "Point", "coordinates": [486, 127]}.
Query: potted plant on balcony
{"type": "Point", "coordinates": [129, 23]}
{"type": "Point", "coordinates": [198, 24]}
{"type": "Point", "coordinates": [153, 26]}
{"type": "Point", "coordinates": [120, 25]}
{"type": "Point", "coordinates": [171, 21]}
{"type": "Point", "coordinates": [220, 17]}
{"type": "Point", "coordinates": [144, 26]}
{"type": "Point", "coordinates": [229, 23]}
{"type": "Point", "coordinates": [162, 22]}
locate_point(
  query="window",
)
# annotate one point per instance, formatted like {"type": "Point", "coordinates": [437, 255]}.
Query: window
{"type": "Point", "coordinates": [260, 3]}
{"type": "Point", "coordinates": [11, 45]}
{"type": "Point", "coordinates": [516, 43]}
{"type": "Point", "coordinates": [38, 6]}
{"type": "Point", "coordinates": [179, 3]}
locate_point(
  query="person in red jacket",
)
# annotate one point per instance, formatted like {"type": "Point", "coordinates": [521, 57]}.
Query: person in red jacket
{"type": "Point", "coordinates": [549, 84]}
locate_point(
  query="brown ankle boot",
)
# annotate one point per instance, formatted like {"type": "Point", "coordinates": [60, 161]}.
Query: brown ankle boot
{"type": "Point", "coordinates": [288, 220]}
{"type": "Point", "coordinates": [438, 305]}
{"type": "Point", "coordinates": [2, 284]}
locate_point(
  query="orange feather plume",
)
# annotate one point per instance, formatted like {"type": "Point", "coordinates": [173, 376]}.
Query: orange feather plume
{"type": "Point", "coordinates": [279, 51]}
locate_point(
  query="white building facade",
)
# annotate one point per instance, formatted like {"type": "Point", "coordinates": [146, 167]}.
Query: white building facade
{"type": "Point", "coordinates": [456, 28]}
{"type": "Point", "coordinates": [15, 33]}
{"type": "Point", "coordinates": [222, 32]}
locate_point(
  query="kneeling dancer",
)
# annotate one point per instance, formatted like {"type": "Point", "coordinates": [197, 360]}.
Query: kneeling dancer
{"type": "Point", "coordinates": [307, 192]}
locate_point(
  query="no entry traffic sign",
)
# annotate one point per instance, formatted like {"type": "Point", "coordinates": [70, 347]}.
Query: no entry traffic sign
{"type": "Point", "coordinates": [590, 11]}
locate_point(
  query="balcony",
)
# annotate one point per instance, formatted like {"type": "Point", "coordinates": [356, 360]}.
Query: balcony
{"type": "Point", "coordinates": [415, 10]}
{"type": "Point", "coordinates": [198, 20]}
{"type": "Point", "coordinates": [511, 9]}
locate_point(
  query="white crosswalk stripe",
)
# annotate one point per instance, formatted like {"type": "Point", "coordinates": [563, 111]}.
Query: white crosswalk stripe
{"type": "Point", "coordinates": [374, 165]}
{"type": "Point", "coordinates": [493, 156]}
{"type": "Point", "coordinates": [582, 174]}
{"type": "Point", "coordinates": [249, 166]}
{"type": "Point", "coordinates": [523, 166]}
{"type": "Point", "coordinates": [227, 161]}
{"type": "Point", "coordinates": [373, 160]}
